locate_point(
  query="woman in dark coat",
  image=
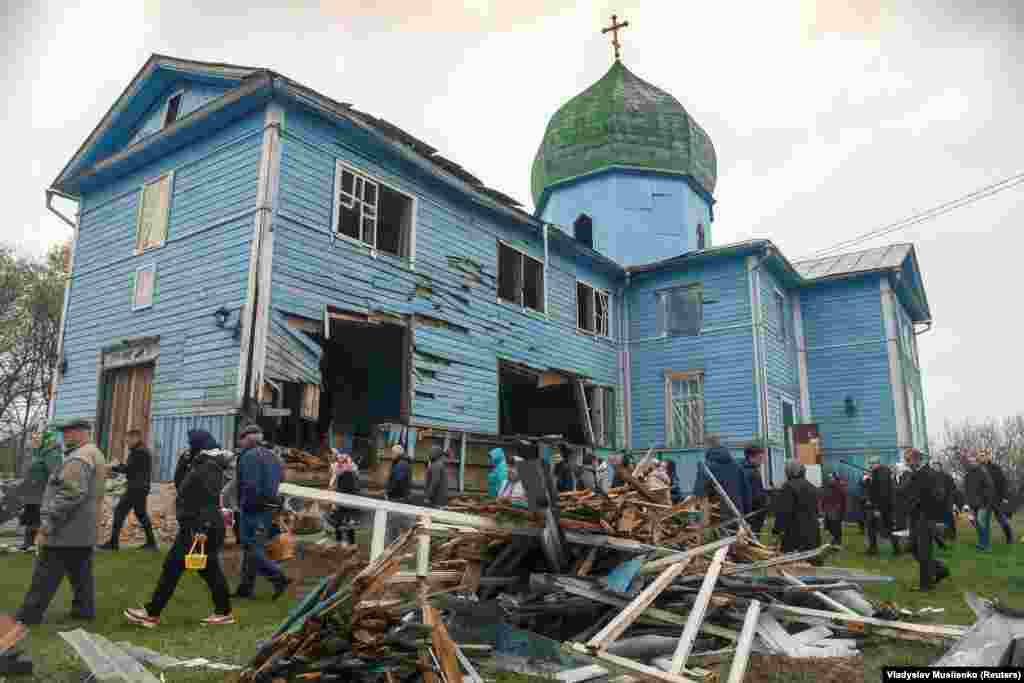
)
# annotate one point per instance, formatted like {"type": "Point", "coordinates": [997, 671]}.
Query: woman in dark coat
{"type": "Point", "coordinates": [833, 506]}
{"type": "Point", "coordinates": [796, 511]}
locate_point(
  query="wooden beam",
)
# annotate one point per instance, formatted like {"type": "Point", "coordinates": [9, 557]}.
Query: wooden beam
{"type": "Point", "coordinates": [658, 565]}
{"type": "Point", "coordinates": [818, 594]}
{"type": "Point", "coordinates": [775, 561]}
{"type": "Point", "coordinates": [626, 617]}
{"type": "Point", "coordinates": [462, 463]}
{"type": "Point", "coordinates": [739, 660]}
{"type": "Point", "coordinates": [423, 548]}
{"type": "Point", "coordinates": [937, 631]}
{"type": "Point", "coordinates": [630, 667]}
{"type": "Point", "coordinates": [380, 530]}
{"type": "Point", "coordinates": [697, 613]}
{"type": "Point", "coordinates": [726, 499]}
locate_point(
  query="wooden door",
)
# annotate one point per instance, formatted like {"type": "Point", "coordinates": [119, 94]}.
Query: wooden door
{"type": "Point", "coordinates": [128, 397]}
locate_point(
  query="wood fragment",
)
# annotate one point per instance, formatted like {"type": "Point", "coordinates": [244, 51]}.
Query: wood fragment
{"type": "Point", "coordinates": [746, 641]}
{"type": "Point", "coordinates": [818, 594]}
{"type": "Point", "coordinates": [697, 613]}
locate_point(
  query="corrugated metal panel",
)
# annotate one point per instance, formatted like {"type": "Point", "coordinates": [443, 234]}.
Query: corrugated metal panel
{"type": "Point", "coordinates": [847, 357]}
{"type": "Point", "coordinates": [203, 266]}
{"type": "Point", "coordinates": [106, 661]}
{"type": "Point", "coordinates": [724, 351]}
{"type": "Point", "coordinates": [890, 256]}
{"type": "Point", "coordinates": [170, 436]}
{"type": "Point", "coordinates": [456, 356]}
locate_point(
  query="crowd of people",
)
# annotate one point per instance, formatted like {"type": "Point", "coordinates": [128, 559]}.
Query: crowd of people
{"type": "Point", "coordinates": [64, 492]}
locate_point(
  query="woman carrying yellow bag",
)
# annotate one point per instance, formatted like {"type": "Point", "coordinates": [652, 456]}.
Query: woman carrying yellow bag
{"type": "Point", "coordinates": [199, 479]}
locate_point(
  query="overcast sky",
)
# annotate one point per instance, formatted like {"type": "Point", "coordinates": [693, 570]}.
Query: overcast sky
{"type": "Point", "coordinates": [829, 117]}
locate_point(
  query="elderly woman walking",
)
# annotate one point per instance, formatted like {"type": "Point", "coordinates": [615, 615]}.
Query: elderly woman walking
{"type": "Point", "coordinates": [796, 511]}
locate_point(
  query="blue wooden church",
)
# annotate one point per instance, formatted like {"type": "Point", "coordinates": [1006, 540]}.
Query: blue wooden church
{"type": "Point", "coordinates": [248, 248]}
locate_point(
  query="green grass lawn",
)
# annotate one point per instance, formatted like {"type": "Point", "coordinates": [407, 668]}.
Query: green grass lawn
{"type": "Point", "coordinates": [126, 579]}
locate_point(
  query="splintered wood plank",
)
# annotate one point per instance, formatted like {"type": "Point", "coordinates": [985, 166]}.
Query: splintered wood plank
{"type": "Point", "coordinates": [812, 635]}
{"type": "Point", "coordinates": [588, 563]}
{"type": "Point", "coordinates": [728, 501]}
{"type": "Point", "coordinates": [656, 566]}
{"type": "Point", "coordinates": [380, 530]}
{"type": "Point", "coordinates": [627, 616]}
{"type": "Point", "coordinates": [697, 613]}
{"type": "Point", "coordinates": [934, 631]}
{"type": "Point", "coordinates": [444, 647]}
{"type": "Point", "coordinates": [746, 641]}
{"type": "Point", "coordinates": [834, 604]}
{"type": "Point", "coordinates": [631, 667]}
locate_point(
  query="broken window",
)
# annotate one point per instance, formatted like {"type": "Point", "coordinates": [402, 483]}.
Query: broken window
{"type": "Point", "coordinates": [780, 311]}
{"type": "Point", "coordinates": [593, 311]}
{"type": "Point", "coordinates": [154, 210]}
{"type": "Point", "coordinates": [684, 398]}
{"type": "Point", "coordinates": [143, 287]}
{"type": "Point", "coordinates": [520, 278]}
{"type": "Point", "coordinates": [680, 311]}
{"type": "Point", "coordinates": [371, 213]}
{"type": "Point", "coordinates": [583, 230]}
{"type": "Point", "coordinates": [601, 404]}
{"type": "Point", "coordinates": [173, 107]}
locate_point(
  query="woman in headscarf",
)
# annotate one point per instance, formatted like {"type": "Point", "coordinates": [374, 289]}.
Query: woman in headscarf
{"type": "Point", "coordinates": [345, 479]}
{"type": "Point", "coordinates": [498, 475]}
{"type": "Point", "coordinates": [199, 479]}
{"type": "Point", "coordinates": [46, 459]}
{"type": "Point", "coordinates": [796, 511]}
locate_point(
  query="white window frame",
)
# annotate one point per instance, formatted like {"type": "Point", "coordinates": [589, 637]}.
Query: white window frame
{"type": "Point", "coordinates": [135, 288]}
{"type": "Point", "coordinates": [166, 218]}
{"type": "Point", "coordinates": [167, 105]}
{"type": "Point", "coordinates": [661, 301]}
{"type": "Point", "coordinates": [341, 166]}
{"type": "Point", "coordinates": [605, 333]}
{"type": "Point", "coordinates": [780, 307]}
{"type": "Point", "coordinates": [522, 279]}
{"type": "Point", "coordinates": [670, 413]}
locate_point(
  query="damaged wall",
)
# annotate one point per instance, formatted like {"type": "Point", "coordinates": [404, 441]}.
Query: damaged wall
{"type": "Point", "coordinates": [461, 328]}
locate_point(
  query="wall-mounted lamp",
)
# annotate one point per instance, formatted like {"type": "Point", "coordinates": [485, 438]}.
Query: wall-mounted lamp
{"type": "Point", "coordinates": [221, 315]}
{"type": "Point", "coordinates": [849, 407]}
{"type": "Point", "coordinates": [62, 367]}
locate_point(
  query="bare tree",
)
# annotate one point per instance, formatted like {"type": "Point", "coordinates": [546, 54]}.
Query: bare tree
{"type": "Point", "coordinates": [1005, 439]}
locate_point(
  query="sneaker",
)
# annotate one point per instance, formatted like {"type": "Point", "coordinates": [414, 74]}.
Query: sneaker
{"type": "Point", "coordinates": [107, 546]}
{"type": "Point", "coordinates": [281, 587]}
{"type": "Point", "coordinates": [141, 617]}
{"type": "Point", "coordinates": [219, 620]}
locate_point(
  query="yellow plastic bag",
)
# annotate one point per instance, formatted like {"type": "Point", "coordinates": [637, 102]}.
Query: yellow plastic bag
{"type": "Point", "coordinates": [196, 560]}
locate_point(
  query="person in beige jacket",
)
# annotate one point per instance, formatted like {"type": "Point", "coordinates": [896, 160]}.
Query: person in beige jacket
{"type": "Point", "coordinates": [70, 511]}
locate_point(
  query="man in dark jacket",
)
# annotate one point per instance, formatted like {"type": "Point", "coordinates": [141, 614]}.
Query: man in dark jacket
{"type": "Point", "coordinates": [878, 505]}
{"type": "Point", "coordinates": [400, 478]}
{"type": "Point", "coordinates": [980, 492]}
{"type": "Point", "coordinates": [259, 475]}
{"type": "Point", "coordinates": [436, 485]}
{"type": "Point", "coordinates": [950, 501]}
{"type": "Point", "coordinates": [923, 494]}
{"type": "Point", "coordinates": [728, 473]}
{"type": "Point", "coordinates": [199, 478]}
{"type": "Point", "coordinates": [70, 512]}
{"type": "Point", "coordinates": [753, 460]}
{"type": "Point", "coordinates": [1002, 504]}
{"type": "Point", "coordinates": [796, 511]}
{"type": "Point", "coordinates": [138, 468]}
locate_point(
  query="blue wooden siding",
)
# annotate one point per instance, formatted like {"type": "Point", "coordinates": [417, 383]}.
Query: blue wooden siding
{"type": "Point", "coordinates": [776, 336]}
{"type": "Point", "coordinates": [462, 330]}
{"type": "Point", "coordinates": [202, 266]}
{"type": "Point", "coordinates": [292, 356]}
{"type": "Point", "coordinates": [912, 379]}
{"type": "Point", "coordinates": [170, 436]}
{"type": "Point", "coordinates": [847, 356]}
{"type": "Point", "coordinates": [638, 217]}
{"type": "Point", "coordinates": [194, 96]}
{"type": "Point", "coordinates": [724, 351]}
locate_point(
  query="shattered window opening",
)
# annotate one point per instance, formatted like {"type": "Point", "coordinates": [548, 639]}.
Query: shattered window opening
{"type": "Point", "coordinates": [593, 311]}
{"type": "Point", "coordinates": [520, 278]}
{"type": "Point", "coordinates": [680, 311]}
{"type": "Point", "coordinates": [173, 107]}
{"type": "Point", "coordinates": [372, 213]}
{"type": "Point", "coordinates": [684, 395]}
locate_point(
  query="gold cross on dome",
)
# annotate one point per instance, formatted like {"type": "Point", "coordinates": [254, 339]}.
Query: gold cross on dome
{"type": "Point", "coordinates": [614, 29]}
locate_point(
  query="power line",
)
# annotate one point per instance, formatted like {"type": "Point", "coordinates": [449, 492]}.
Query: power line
{"type": "Point", "coordinates": [929, 214]}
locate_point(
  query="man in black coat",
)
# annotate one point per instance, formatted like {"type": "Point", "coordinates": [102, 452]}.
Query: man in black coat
{"type": "Point", "coordinates": [138, 468]}
{"type": "Point", "coordinates": [753, 460]}
{"type": "Point", "coordinates": [980, 491]}
{"type": "Point", "coordinates": [1001, 509]}
{"type": "Point", "coordinates": [878, 506]}
{"type": "Point", "coordinates": [796, 511]}
{"type": "Point", "coordinates": [951, 499]}
{"type": "Point", "coordinates": [923, 493]}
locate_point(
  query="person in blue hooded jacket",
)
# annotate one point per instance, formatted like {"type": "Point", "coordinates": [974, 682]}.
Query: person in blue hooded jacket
{"type": "Point", "coordinates": [498, 475]}
{"type": "Point", "coordinates": [729, 474]}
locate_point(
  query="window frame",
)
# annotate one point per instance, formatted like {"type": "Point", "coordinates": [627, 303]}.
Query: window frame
{"type": "Point", "coordinates": [164, 123]}
{"type": "Point", "coordinates": [672, 376]}
{"type": "Point", "coordinates": [521, 288]}
{"type": "Point", "coordinates": [606, 333]}
{"type": "Point", "coordinates": [661, 306]}
{"type": "Point", "coordinates": [169, 176]}
{"type": "Point", "coordinates": [780, 306]}
{"type": "Point", "coordinates": [135, 288]}
{"type": "Point", "coordinates": [340, 166]}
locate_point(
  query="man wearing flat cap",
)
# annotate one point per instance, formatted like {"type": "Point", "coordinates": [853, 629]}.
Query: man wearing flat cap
{"type": "Point", "coordinates": [70, 512]}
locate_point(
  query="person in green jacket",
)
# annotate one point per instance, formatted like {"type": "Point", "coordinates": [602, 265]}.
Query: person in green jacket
{"type": "Point", "coordinates": [498, 475]}
{"type": "Point", "coordinates": [46, 459]}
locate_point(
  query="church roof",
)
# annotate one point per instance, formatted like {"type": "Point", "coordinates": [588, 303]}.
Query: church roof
{"type": "Point", "coordinates": [622, 121]}
{"type": "Point", "coordinates": [879, 258]}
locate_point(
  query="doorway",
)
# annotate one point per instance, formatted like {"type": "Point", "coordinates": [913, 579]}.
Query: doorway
{"type": "Point", "coordinates": [125, 405]}
{"type": "Point", "coordinates": [788, 420]}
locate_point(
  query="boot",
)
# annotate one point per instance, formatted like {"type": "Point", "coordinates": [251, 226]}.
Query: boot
{"type": "Point", "coordinates": [30, 539]}
{"type": "Point", "coordinates": [150, 539]}
{"type": "Point", "coordinates": [109, 545]}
